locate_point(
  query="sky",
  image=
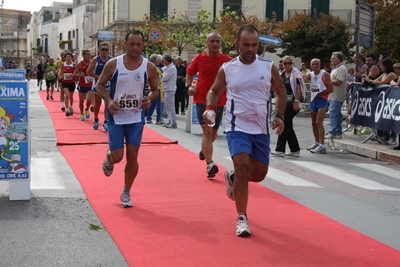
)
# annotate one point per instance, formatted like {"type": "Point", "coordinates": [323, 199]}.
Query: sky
{"type": "Point", "coordinates": [29, 5]}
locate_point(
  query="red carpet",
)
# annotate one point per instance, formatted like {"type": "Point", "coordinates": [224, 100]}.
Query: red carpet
{"type": "Point", "coordinates": [72, 131]}
{"type": "Point", "coordinates": [181, 218]}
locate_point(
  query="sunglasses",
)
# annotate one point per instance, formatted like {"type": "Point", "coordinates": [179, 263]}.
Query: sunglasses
{"type": "Point", "coordinates": [104, 49]}
{"type": "Point", "coordinates": [287, 63]}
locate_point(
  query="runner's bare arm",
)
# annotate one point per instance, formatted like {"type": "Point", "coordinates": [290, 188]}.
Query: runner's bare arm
{"type": "Point", "coordinates": [90, 70]}
{"type": "Point", "coordinates": [280, 102]}
{"type": "Point", "coordinates": [77, 72]}
{"type": "Point", "coordinates": [217, 88]}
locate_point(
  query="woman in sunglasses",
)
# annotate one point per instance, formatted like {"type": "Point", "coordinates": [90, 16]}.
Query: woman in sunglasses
{"type": "Point", "coordinates": [296, 91]}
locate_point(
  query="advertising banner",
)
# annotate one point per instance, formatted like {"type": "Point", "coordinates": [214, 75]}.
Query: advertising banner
{"type": "Point", "coordinates": [377, 107]}
{"type": "Point", "coordinates": [14, 130]}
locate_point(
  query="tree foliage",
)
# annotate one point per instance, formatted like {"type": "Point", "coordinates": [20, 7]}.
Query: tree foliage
{"type": "Point", "coordinates": [314, 37]}
{"type": "Point", "coordinates": [387, 34]}
{"type": "Point", "coordinates": [230, 23]}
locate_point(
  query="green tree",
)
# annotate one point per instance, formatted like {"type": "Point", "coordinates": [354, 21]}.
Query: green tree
{"type": "Point", "coordinates": [387, 25]}
{"type": "Point", "coordinates": [315, 37]}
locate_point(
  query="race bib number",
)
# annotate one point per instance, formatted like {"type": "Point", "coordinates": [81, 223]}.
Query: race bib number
{"type": "Point", "coordinates": [315, 88]}
{"type": "Point", "coordinates": [88, 79]}
{"type": "Point", "coordinates": [68, 76]}
{"type": "Point", "coordinates": [50, 73]}
{"type": "Point", "coordinates": [128, 101]}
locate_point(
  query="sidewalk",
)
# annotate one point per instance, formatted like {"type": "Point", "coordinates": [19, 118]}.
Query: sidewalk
{"type": "Point", "coordinates": [353, 143]}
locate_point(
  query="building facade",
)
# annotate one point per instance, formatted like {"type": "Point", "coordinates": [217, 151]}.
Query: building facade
{"type": "Point", "coordinates": [13, 36]}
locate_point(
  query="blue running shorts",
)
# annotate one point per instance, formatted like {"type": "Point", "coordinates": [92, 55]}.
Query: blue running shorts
{"type": "Point", "coordinates": [256, 145]}
{"type": "Point", "coordinates": [118, 133]}
{"type": "Point", "coordinates": [318, 103]}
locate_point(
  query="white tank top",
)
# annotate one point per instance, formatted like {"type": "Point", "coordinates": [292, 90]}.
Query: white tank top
{"type": "Point", "coordinates": [248, 95]}
{"type": "Point", "coordinates": [127, 89]}
{"type": "Point", "coordinates": [316, 84]}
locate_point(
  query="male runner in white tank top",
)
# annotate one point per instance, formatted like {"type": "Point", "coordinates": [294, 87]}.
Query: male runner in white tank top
{"type": "Point", "coordinates": [129, 74]}
{"type": "Point", "coordinates": [248, 80]}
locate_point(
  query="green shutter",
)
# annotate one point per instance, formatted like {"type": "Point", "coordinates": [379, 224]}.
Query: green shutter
{"type": "Point", "coordinates": [275, 6]}
{"type": "Point", "coordinates": [159, 8]}
{"type": "Point", "coordinates": [234, 5]}
{"type": "Point", "coordinates": [321, 6]}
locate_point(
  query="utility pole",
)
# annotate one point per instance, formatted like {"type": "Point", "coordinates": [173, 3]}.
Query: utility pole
{"type": "Point", "coordinates": [1, 31]}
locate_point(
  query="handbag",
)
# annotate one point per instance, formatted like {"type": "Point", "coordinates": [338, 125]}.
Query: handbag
{"type": "Point", "coordinates": [289, 98]}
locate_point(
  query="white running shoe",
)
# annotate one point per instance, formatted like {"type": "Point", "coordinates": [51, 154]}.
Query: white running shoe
{"type": "Point", "coordinates": [242, 226]}
{"type": "Point", "coordinates": [319, 150]}
{"type": "Point", "coordinates": [229, 187]}
{"type": "Point", "coordinates": [71, 110]}
{"type": "Point", "coordinates": [126, 200]}
{"type": "Point", "coordinates": [313, 146]}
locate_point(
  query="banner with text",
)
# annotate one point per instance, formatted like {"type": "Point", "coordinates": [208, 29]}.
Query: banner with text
{"type": "Point", "coordinates": [377, 107]}
{"type": "Point", "coordinates": [14, 147]}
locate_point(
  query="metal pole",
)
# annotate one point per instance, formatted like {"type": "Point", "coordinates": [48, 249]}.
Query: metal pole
{"type": "Point", "coordinates": [357, 35]}
{"type": "Point", "coordinates": [269, 33]}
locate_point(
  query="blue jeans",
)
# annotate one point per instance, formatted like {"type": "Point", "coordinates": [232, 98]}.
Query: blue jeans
{"type": "Point", "coordinates": [335, 110]}
{"type": "Point", "coordinates": [156, 104]}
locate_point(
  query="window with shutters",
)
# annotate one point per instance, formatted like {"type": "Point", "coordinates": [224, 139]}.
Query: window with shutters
{"type": "Point", "coordinates": [234, 5]}
{"type": "Point", "coordinates": [275, 9]}
{"type": "Point", "coordinates": [320, 6]}
{"type": "Point", "coordinates": [158, 9]}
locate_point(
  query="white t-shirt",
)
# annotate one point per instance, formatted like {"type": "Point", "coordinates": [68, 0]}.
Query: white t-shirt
{"type": "Point", "coordinates": [248, 95]}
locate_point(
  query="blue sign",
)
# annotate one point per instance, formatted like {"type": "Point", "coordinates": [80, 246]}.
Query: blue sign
{"type": "Point", "coordinates": [12, 75]}
{"type": "Point", "coordinates": [269, 40]}
{"type": "Point", "coordinates": [14, 147]}
{"type": "Point", "coordinates": [106, 36]}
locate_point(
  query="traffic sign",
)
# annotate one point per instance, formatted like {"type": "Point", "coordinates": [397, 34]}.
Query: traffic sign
{"type": "Point", "coordinates": [269, 40]}
{"type": "Point", "coordinates": [154, 35]}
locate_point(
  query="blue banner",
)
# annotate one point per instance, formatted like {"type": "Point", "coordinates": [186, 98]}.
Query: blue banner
{"type": "Point", "coordinates": [12, 75]}
{"type": "Point", "coordinates": [377, 107]}
{"type": "Point", "coordinates": [14, 147]}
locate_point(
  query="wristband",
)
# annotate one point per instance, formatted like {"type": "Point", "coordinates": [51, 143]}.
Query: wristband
{"type": "Point", "coordinates": [296, 100]}
{"type": "Point", "coordinates": [210, 107]}
{"type": "Point", "coordinates": [278, 117]}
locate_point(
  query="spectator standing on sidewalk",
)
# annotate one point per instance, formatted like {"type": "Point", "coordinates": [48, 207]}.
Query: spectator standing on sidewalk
{"type": "Point", "coordinates": [320, 87]}
{"type": "Point", "coordinates": [295, 91]}
{"type": "Point", "coordinates": [396, 82]}
{"type": "Point", "coordinates": [169, 88]}
{"type": "Point", "coordinates": [206, 65]}
{"type": "Point", "coordinates": [180, 94]}
{"type": "Point", "coordinates": [156, 104]}
{"type": "Point", "coordinates": [2, 64]}
{"type": "Point", "coordinates": [125, 102]}
{"type": "Point", "coordinates": [338, 96]}
{"type": "Point", "coordinates": [248, 80]}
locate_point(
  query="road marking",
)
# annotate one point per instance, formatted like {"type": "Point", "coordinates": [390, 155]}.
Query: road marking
{"type": "Point", "coordinates": [44, 175]}
{"type": "Point", "coordinates": [285, 178]}
{"type": "Point", "coordinates": [380, 169]}
{"type": "Point", "coordinates": [342, 176]}
{"type": "Point", "coordinates": [288, 178]}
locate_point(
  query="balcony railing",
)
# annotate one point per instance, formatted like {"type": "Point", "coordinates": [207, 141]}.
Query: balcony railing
{"type": "Point", "coordinates": [343, 14]}
{"type": "Point", "coordinates": [50, 18]}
